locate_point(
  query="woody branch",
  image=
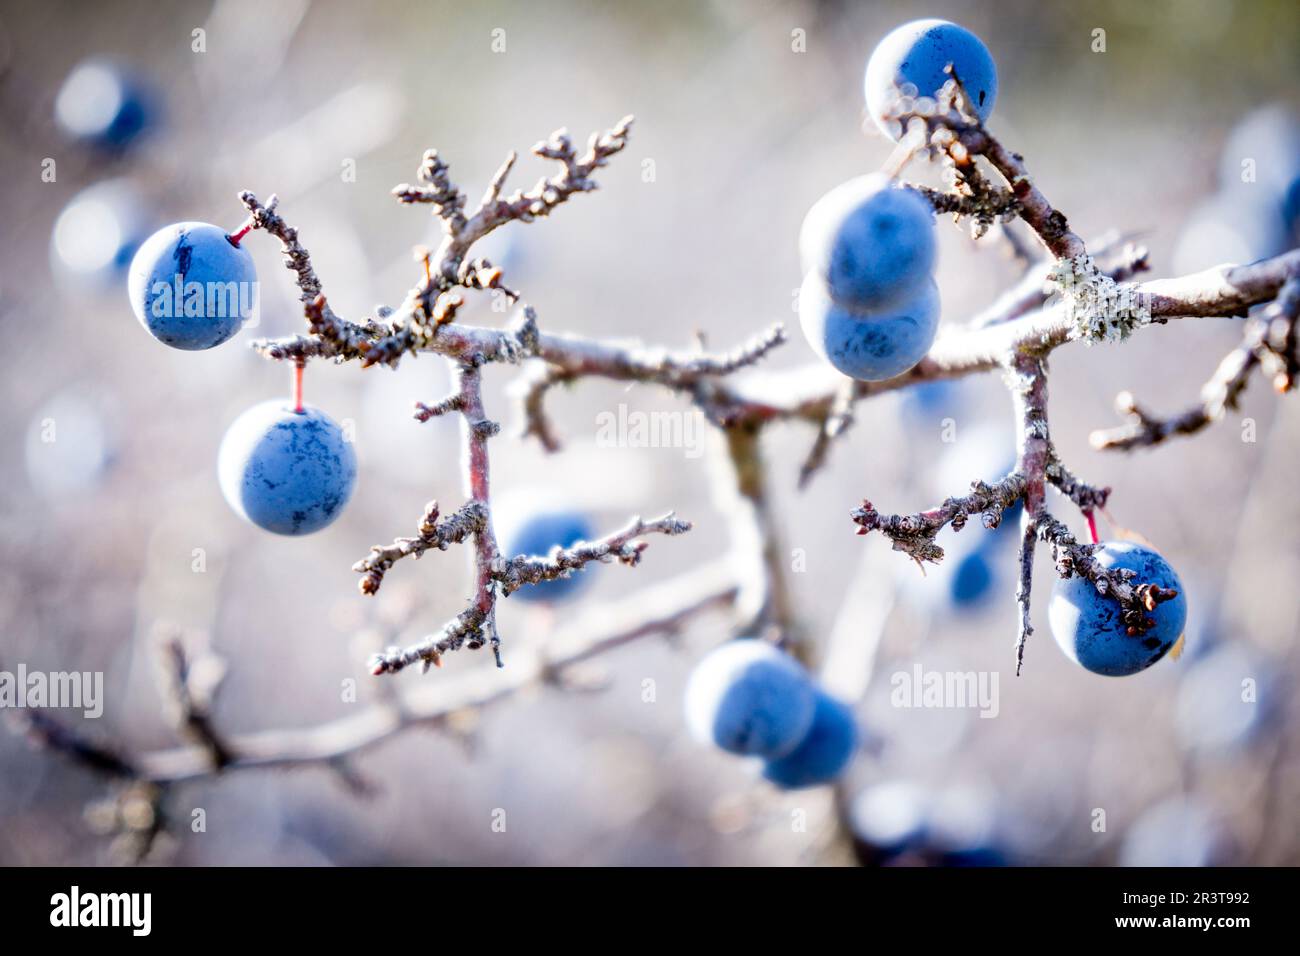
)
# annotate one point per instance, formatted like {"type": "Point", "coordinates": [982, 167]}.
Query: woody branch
{"type": "Point", "coordinates": [1096, 308]}
{"type": "Point", "coordinates": [1017, 334]}
{"type": "Point", "coordinates": [426, 321]}
{"type": "Point", "coordinates": [1268, 343]}
{"type": "Point", "coordinates": [1098, 305]}
{"type": "Point", "coordinates": [672, 605]}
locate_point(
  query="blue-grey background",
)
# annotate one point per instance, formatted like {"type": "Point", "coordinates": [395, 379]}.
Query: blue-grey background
{"type": "Point", "coordinates": [741, 134]}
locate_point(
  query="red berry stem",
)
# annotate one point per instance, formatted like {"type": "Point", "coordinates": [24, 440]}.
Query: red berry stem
{"type": "Point", "coordinates": [1092, 525]}
{"type": "Point", "coordinates": [241, 232]}
{"type": "Point", "coordinates": [298, 366]}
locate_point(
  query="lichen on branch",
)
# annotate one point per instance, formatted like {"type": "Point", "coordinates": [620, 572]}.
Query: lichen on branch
{"type": "Point", "coordinates": [1099, 308]}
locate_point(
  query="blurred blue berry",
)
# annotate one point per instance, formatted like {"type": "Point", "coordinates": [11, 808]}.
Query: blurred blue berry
{"type": "Point", "coordinates": [105, 106]}
{"type": "Point", "coordinates": [97, 234]}
{"type": "Point", "coordinates": [525, 529]}
{"type": "Point", "coordinates": [748, 697]}
{"type": "Point", "coordinates": [1232, 227]}
{"type": "Point", "coordinates": [932, 401]}
{"type": "Point", "coordinates": [1262, 153]}
{"type": "Point", "coordinates": [70, 442]}
{"type": "Point", "coordinates": [972, 580]}
{"type": "Point", "coordinates": [824, 751]}
{"type": "Point", "coordinates": [888, 819]}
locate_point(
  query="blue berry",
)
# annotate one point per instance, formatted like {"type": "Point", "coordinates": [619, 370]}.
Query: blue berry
{"type": "Point", "coordinates": [917, 53]}
{"type": "Point", "coordinates": [524, 529]}
{"type": "Point", "coordinates": [1087, 625]}
{"type": "Point", "coordinates": [191, 287]}
{"type": "Point", "coordinates": [286, 471]}
{"type": "Point", "coordinates": [961, 828]}
{"type": "Point", "coordinates": [889, 819]}
{"type": "Point", "coordinates": [1257, 211]}
{"type": "Point", "coordinates": [1232, 227]}
{"type": "Point", "coordinates": [97, 234]}
{"type": "Point", "coordinates": [977, 856]}
{"type": "Point", "coordinates": [1267, 142]}
{"type": "Point", "coordinates": [972, 572]}
{"type": "Point", "coordinates": [104, 106]}
{"type": "Point", "coordinates": [1291, 211]}
{"type": "Point", "coordinates": [981, 450]}
{"type": "Point", "coordinates": [747, 697]}
{"type": "Point", "coordinates": [870, 346]}
{"type": "Point", "coordinates": [824, 751]}
{"type": "Point", "coordinates": [931, 402]}
{"type": "Point", "coordinates": [972, 579]}
{"type": "Point", "coordinates": [872, 243]}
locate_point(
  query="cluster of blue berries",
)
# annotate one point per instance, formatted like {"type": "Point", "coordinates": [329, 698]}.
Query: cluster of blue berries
{"type": "Point", "coordinates": [751, 699]}
{"type": "Point", "coordinates": [287, 468]}
{"type": "Point", "coordinates": [868, 303]}
{"type": "Point", "coordinates": [870, 307]}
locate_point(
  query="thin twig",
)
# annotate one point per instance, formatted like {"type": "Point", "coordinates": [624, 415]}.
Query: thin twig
{"type": "Point", "coordinates": [1268, 338]}
{"type": "Point", "coordinates": [915, 534]}
{"type": "Point", "coordinates": [661, 609]}
{"type": "Point", "coordinates": [433, 533]}
{"type": "Point", "coordinates": [623, 546]}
